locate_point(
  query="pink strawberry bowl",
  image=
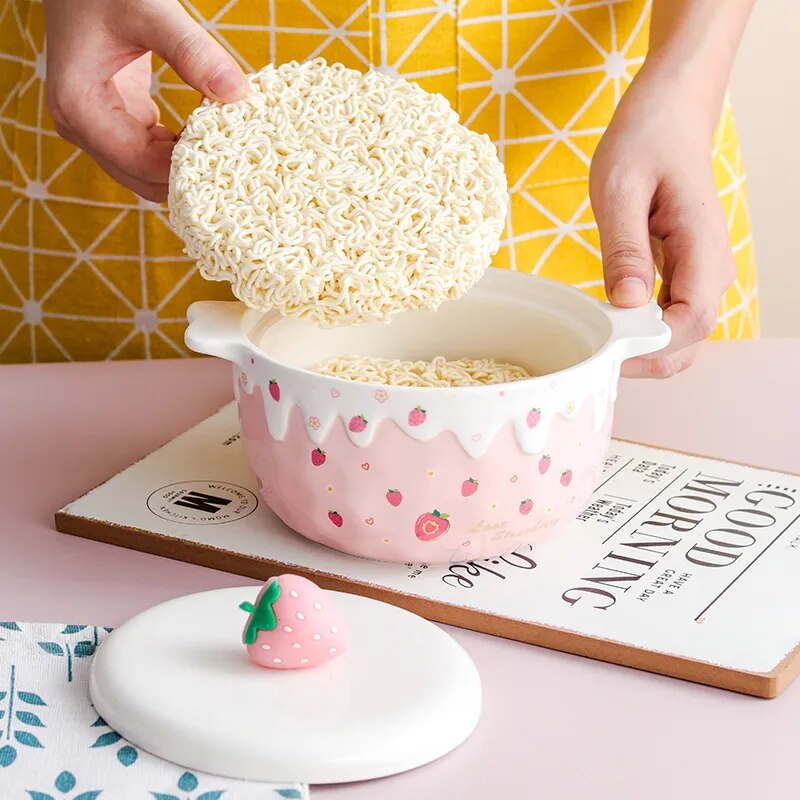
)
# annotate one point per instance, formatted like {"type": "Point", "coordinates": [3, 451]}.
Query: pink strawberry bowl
{"type": "Point", "coordinates": [432, 474]}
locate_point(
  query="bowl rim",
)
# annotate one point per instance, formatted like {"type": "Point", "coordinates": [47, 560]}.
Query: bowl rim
{"type": "Point", "coordinates": [625, 325]}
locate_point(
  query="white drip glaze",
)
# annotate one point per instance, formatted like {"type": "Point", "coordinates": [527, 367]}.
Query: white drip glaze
{"type": "Point", "coordinates": [473, 415]}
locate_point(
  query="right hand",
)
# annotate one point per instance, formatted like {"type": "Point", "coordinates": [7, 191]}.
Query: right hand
{"type": "Point", "coordinates": [98, 81]}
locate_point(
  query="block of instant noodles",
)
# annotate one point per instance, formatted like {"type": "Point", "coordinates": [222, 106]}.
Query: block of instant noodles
{"type": "Point", "coordinates": [336, 196]}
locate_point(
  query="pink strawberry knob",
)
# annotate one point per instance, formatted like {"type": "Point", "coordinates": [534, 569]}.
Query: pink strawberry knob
{"type": "Point", "coordinates": [293, 625]}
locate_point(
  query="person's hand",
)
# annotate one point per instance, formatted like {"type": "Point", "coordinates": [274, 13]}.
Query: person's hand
{"type": "Point", "coordinates": [656, 205]}
{"type": "Point", "coordinates": [98, 81]}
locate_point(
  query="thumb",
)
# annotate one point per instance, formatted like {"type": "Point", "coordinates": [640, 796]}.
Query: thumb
{"type": "Point", "coordinates": [193, 53]}
{"type": "Point", "coordinates": [628, 267]}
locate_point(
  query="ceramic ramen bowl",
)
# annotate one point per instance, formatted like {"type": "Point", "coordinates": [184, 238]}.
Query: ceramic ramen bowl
{"type": "Point", "coordinates": [432, 474]}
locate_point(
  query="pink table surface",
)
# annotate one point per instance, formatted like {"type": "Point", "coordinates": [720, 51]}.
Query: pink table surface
{"type": "Point", "coordinates": [554, 725]}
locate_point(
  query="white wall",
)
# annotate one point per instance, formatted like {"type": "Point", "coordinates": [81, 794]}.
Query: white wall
{"type": "Point", "coordinates": [767, 106]}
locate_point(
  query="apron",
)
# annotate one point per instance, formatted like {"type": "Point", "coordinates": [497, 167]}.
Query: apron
{"type": "Point", "coordinates": [89, 271]}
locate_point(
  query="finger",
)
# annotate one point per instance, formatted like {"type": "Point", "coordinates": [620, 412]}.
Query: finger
{"type": "Point", "coordinates": [133, 85]}
{"type": "Point", "coordinates": [622, 221]}
{"type": "Point", "coordinates": [699, 267]}
{"type": "Point", "coordinates": [101, 123]}
{"type": "Point", "coordinates": [163, 134]}
{"type": "Point", "coordinates": [661, 366]}
{"type": "Point", "coordinates": [143, 109]}
{"type": "Point", "coordinates": [693, 321]}
{"type": "Point", "coordinates": [194, 54]}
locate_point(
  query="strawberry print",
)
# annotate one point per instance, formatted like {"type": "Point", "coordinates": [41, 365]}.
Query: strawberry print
{"type": "Point", "coordinates": [417, 416]}
{"type": "Point", "coordinates": [544, 464]}
{"type": "Point", "coordinates": [318, 457]}
{"type": "Point", "coordinates": [525, 506]}
{"type": "Point", "coordinates": [293, 624]}
{"type": "Point", "coordinates": [394, 497]}
{"type": "Point", "coordinates": [431, 526]}
{"type": "Point", "coordinates": [566, 477]}
{"type": "Point", "coordinates": [358, 424]}
{"type": "Point", "coordinates": [336, 518]}
{"type": "Point", "coordinates": [274, 391]}
{"type": "Point", "coordinates": [469, 487]}
{"type": "Point", "coordinates": [534, 415]}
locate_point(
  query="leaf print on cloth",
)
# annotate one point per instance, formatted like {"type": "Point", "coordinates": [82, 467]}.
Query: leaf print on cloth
{"type": "Point", "coordinates": [29, 718]}
{"type": "Point", "coordinates": [69, 651]}
{"type": "Point", "coordinates": [54, 648]}
{"type": "Point", "coordinates": [54, 746]}
{"type": "Point", "coordinates": [188, 782]}
{"type": "Point", "coordinates": [8, 755]}
{"type": "Point", "coordinates": [31, 698]}
{"type": "Point", "coordinates": [15, 717]}
{"type": "Point", "coordinates": [127, 755]}
{"type": "Point", "coordinates": [28, 739]}
{"type": "Point", "coordinates": [65, 783]}
{"type": "Point", "coordinates": [84, 649]}
{"type": "Point", "coordinates": [106, 739]}
{"type": "Point", "coordinates": [10, 626]}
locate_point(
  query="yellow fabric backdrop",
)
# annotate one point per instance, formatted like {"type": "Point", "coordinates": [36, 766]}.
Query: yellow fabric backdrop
{"type": "Point", "coordinates": [89, 271]}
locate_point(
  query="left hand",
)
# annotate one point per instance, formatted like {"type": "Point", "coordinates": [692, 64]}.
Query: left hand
{"type": "Point", "coordinates": [656, 205]}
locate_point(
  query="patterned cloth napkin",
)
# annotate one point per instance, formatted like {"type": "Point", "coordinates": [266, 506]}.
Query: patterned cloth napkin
{"type": "Point", "coordinates": [53, 746]}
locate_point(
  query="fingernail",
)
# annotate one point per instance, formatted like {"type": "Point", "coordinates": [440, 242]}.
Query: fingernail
{"type": "Point", "coordinates": [629, 292]}
{"type": "Point", "coordinates": [227, 83]}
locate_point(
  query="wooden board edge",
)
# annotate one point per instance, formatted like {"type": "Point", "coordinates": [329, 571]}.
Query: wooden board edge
{"type": "Point", "coordinates": [764, 685]}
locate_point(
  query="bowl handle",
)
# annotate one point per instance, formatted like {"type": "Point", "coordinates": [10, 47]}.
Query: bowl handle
{"type": "Point", "coordinates": [638, 331]}
{"type": "Point", "coordinates": [215, 329]}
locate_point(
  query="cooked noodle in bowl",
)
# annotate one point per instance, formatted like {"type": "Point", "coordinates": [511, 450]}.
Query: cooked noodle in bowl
{"type": "Point", "coordinates": [335, 196]}
{"type": "Point", "coordinates": [436, 372]}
